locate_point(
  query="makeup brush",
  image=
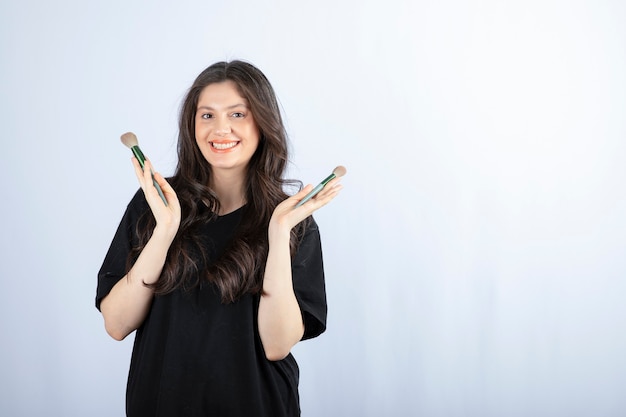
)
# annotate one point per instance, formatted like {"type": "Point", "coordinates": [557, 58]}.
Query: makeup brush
{"type": "Point", "coordinates": [340, 171]}
{"type": "Point", "coordinates": [130, 140]}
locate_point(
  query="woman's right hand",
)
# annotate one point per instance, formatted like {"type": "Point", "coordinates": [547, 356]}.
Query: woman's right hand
{"type": "Point", "coordinates": [128, 303]}
{"type": "Point", "coordinates": [167, 216]}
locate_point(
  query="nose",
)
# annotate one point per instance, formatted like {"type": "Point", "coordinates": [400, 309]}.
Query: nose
{"type": "Point", "coordinates": [222, 126]}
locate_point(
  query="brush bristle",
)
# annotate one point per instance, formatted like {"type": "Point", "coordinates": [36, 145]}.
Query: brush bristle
{"type": "Point", "coordinates": [129, 139]}
{"type": "Point", "coordinates": [340, 171]}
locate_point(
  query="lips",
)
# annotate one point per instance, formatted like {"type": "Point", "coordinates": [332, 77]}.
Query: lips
{"type": "Point", "coordinates": [223, 146]}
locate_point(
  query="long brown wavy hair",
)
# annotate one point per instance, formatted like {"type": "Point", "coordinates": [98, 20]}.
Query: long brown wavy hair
{"type": "Point", "coordinates": [239, 269]}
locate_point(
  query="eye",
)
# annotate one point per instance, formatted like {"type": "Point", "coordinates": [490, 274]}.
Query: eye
{"type": "Point", "coordinates": [238, 114]}
{"type": "Point", "coordinates": [207, 116]}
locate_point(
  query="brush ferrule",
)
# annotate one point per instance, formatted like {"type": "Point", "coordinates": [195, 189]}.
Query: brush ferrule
{"type": "Point", "coordinates": [328, 179]}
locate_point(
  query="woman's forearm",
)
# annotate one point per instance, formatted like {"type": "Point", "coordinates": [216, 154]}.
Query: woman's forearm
{"type": "Point", "coordinates": [128, 303]}
{"type": "Point", "coordinates": [280, 319]}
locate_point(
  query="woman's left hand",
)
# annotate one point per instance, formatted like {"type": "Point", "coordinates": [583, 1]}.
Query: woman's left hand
{"type": "Point", "coordinates": [286, 215]}
{"type": "Point", "coordinates": [280, 320]}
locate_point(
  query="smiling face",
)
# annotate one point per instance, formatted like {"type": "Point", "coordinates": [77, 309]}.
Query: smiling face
{"type": "Point", "coordinates": [226, 132]}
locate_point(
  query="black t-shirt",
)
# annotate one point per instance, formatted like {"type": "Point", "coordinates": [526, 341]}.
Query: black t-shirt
{"type": "Point", "coordinates": [194, 355]}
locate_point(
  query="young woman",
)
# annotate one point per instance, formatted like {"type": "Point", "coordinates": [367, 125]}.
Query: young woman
{"type": "Point", "coordinates": [223, 280]}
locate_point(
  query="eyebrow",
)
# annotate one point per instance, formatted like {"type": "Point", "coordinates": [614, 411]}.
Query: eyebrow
{"type": "Point", "coordinates": [227, 108]}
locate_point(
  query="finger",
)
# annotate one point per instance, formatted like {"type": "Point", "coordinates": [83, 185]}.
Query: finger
{"type": "Point", "coordinates": [330, 195]}
{"type": "Point", "coordinates": [303, 191]}
{"type": "Point", "coordinates": [296, 198]}
{"type": "Point", "coordinates": [147, 181]}
{"type": "Point", "coordinates": [330, 189]}
{"type": "Point", "coordinates": [168, 191]}
{"type": "Point", "coordinates": [147, 170]}
{"type": "Point", "coordinates": [324, 197]}
{"type": "Point", "coordinates": [138, 171]}
{"type": "Point", "coordinates": [165, 186]}
{"type": "Point", "coordinates": [144, 175]}
{"type": "Point", "coordinates": [332, 185]}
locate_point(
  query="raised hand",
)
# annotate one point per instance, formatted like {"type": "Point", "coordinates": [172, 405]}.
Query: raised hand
{"type": "Point", "coordinates": [286, 215]}
{"type": "Point", "coordinates": [167, 216]}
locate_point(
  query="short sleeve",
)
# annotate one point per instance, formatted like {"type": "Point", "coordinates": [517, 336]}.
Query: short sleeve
{"type": "Point", "coordinates": [308, 280]}
{"type": "Point", "coordinates": [115, 262]}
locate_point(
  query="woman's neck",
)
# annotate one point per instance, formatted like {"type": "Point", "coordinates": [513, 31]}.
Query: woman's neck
{"type": "Point", "coordinates": [230, 191]}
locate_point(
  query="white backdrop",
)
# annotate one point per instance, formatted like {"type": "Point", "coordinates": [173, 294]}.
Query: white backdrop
{"type": "Point", "coordinates": [475, 259]}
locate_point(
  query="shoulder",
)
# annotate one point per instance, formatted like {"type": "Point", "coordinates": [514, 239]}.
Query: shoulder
{"type": "Point", "coordinates": [138, 202]}
{"type": "Point", "coordinates": [310, 230]}
{"type": "Point", "coordinates": [135, 210]}
{"type": "Point", "coordinates": [309, 241]}
{"type": "Point", "coordinates": [312, 225]}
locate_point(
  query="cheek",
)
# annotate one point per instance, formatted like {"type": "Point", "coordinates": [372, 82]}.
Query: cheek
{"type": "Point", "coordinates": [256, 134]}
{"type": "Point", "coordinates": [257, 141]}
{"type": "Point", "coordinates": [200, 131]}
{"type": "Point", "coordinates": [199, 138]}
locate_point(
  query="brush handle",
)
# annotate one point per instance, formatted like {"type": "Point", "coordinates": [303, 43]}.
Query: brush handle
{"type": "Point", "coordinates": [159, 190]}
{"type": "Point", "coordinates": [142, 160]}
{"type": "Point", "coordinates": [316, 190]}
{"type": "Point", "coordinates": [311, 194]}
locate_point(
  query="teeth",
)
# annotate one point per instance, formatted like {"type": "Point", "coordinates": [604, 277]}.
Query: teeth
{"type": "Point", "coordinates": [223, 145]}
